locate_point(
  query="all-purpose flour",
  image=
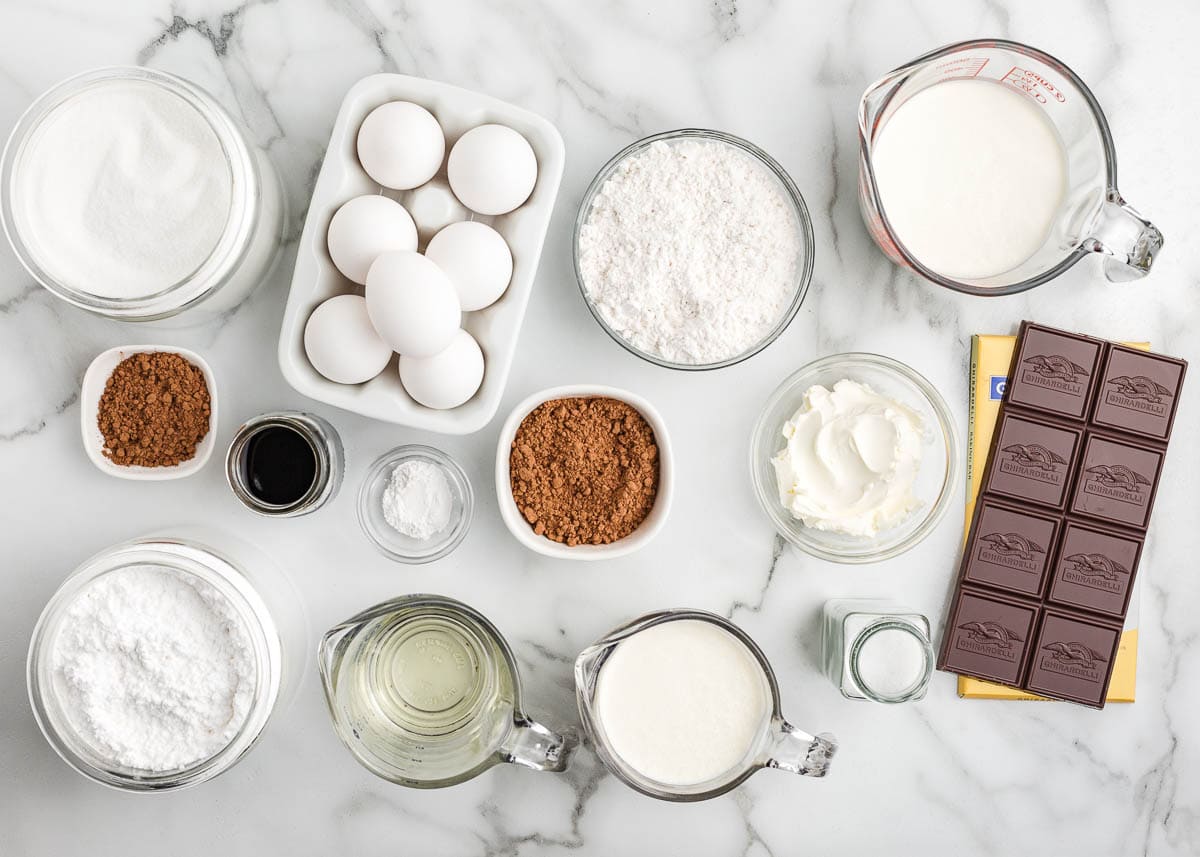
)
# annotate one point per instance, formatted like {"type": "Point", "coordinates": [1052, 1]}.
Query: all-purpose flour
{"type": "Point", "coordinates": [153, 668]}
{"type": "Point", "coordinates": [691, 250]}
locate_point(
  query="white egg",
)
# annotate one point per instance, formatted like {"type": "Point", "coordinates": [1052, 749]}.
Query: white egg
{"type": "Point", "coordinates": [401, 145]}
{"type": "Point", "coordinates": [477, 260]}
{"type": "Point", "coordinates": [412, 304]}
{"type": "Point", "coordinates": [448, 378]}
{"type": "Point", "coordinates": [434, 206]}
{"type": "Point", "coordinates": [492, 169]}
{"type": "Point", "coordinates": [342, 344]}
{"type": "Point", "coordinates": [365, 228]}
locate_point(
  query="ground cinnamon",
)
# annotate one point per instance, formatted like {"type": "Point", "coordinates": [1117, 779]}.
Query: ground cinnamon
{"type": "Point", "coordinates": [584, 470]}
{"type": "Point", "coordinates": [154, 411]}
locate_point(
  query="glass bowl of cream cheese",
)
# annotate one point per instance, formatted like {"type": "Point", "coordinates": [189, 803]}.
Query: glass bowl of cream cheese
{"type": "Point", "coordinates": [854, 458]}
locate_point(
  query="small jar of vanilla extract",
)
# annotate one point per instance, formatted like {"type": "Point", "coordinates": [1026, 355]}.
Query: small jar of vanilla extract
{"type": "Point", "coordinates": [285, 464]}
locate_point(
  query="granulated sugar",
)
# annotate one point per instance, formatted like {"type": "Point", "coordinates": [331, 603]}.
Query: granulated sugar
{"type": "Point", "coordinates": [154, 668]}
{"type": "Point", "coordinates": [691, 251]}
{"type": "Point", "coordinates": [124, 191]}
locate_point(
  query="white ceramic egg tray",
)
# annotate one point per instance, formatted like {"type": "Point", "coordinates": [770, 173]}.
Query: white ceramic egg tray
{"type": "Point", "coordinates": [342, 177]}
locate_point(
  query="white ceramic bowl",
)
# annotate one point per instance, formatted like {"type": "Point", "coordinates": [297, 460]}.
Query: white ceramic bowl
{"type": "Point", "coordinates": [520, 528]}
{"type": "Point", "coordinates": [496, 327]}
{"type": "Point", "coordinates": [936, 479]}
{"type": "Point", "coordinates": [94, 380]}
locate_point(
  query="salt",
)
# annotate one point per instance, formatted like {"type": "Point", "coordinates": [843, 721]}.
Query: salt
{"type": "Point", "coordinates": [123, 191]}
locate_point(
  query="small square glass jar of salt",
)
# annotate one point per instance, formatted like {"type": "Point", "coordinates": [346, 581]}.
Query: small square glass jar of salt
{"type": "Point", "coordinates": [876, 649]}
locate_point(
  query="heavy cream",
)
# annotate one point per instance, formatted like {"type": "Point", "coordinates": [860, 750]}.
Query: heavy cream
{"type": "Point", "coordinates": [850, 461]}
{"type": "Point", "coordinates": [971, 176]}
{"type": "Point", "coordinates": [683, 702]}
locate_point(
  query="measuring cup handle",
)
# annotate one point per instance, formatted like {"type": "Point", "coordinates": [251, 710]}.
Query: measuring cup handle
{"type": "Point", "coordinates": [1129, 241]}
{"type": "Point", "coordinates": [800, 753]}
{"type": "Point", "coordinates": [532, 745]}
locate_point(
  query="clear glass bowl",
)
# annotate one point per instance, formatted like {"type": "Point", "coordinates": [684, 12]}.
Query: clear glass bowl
{"type": "Point", "coordinates": [391, 542]}
{"type": "Point", "coordinates": [188, 558]}
{"type": "Point", "coordinates": [246, 251]}
{"type": "Point", "coordinates": [935, 480]}
{"type": "Point", "coordinates": [790, 190]}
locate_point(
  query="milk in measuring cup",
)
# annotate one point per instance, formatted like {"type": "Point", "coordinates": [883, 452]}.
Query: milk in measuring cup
{"type": "Point", "coordinates": [683, 702]}
{"type": "Point", "coordinates": [971, 175]}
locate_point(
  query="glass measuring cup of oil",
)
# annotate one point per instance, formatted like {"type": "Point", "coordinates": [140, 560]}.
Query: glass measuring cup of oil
{"type": "Point", "coordinates": [988, 167]}
{"type": "Point", "coordinates": [424, 692]}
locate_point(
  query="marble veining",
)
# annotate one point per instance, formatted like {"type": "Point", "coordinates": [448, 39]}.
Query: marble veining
{"type": "Point", "coordinates": [943, 776]}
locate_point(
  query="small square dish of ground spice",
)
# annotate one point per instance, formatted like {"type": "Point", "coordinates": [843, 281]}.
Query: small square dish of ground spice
{"type": "Point", "coordinates": [148, 412]}
{"type": "Point", "coordinates": [584, 472]}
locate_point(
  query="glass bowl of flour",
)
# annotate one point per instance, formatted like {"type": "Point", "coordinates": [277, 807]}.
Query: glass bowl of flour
{"type": "Point", "coordinates": [156, 665]}
{"type": "Point", "coordinates": [693, 249]}
{"type": "Point", "coordinates": [855, 458]}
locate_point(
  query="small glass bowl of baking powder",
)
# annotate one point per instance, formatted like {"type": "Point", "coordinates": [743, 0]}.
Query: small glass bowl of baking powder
{"type": "Point", "coordinates": [220, 580]}
{"type": "Point", "coordinates": [936, 478]}
{"type": "Point", "coordinates": [693, 313]}
{"type": "Point", "coordinates": [398, 545]}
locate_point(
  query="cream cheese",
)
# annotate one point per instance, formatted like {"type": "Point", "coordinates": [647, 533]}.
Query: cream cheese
{"type": "Point", "coordinates": [850, 461]}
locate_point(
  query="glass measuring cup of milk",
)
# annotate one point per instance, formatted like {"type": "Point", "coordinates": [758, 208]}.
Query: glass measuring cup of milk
{"type": "Point", "coordinates": [682, 705]}
{"type": "Point", "coordinates": [424, 692]}
{"type": "Point", "coordinates": [988, 167]}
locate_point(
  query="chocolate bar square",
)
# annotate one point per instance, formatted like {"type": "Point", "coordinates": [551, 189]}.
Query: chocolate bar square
{"type": "Point", "coordinates": [1094, 570]}
{"type": "Point", "coordinates": [1139, 392]}
{"type": "Point", "coordinates": [1073, 658]}
{"type": "Point", "coordinates": [1055, 371]}
{"type": "Point", "coordinates": [1117, 481]}
{"type": "Point", "coordinates": [1032, 459]}
{"type": "Point", "coordinates": [988, 636]}
{"type": "Point", "coordinates": [1010, 549]}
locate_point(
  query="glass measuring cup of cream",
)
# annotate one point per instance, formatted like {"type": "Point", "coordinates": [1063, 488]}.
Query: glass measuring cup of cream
{"type": "Point", "coordinates": [682, 705]}
{"type": "Point", "coordinates": [988, 167]}
{"type": "Point", "coordinates": [132, 193]}
{"type": "Point", "coordinates": [424, 692]}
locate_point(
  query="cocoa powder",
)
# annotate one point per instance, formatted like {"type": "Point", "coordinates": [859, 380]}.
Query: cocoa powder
{"type": "Point", "coordinates": [584, 470]}
{"type": "Point", "coordinates": [154, 411]}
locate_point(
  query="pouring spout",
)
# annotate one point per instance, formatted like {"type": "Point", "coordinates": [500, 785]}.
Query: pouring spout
{"type": "Point", "coordinates": [798, 752]}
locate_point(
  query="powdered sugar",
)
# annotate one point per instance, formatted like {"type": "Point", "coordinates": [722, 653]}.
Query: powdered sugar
{"type": "Point", "coordinates": [691, 251]}
{"type": "Point", "coordinates": [417, 501]}
{"type": "Point", "coordinates": [153, 668]}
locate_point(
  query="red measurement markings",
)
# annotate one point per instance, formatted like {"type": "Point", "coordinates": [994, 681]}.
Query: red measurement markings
{"type": "Point", "coordinates": [1033, 85]}
{"type": "Point", "coordinates": [961, 67]}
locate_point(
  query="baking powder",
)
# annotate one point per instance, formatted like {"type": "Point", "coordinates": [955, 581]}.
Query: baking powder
{"type": "Point", "coordinates": [153, 668]}
{"type": "Point", "coordinates": [691, 251]}
{"type": "Point", "coordinates": [417, 501]}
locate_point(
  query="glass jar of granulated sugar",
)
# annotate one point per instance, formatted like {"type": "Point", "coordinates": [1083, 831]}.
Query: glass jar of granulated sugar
{"type": "Point", "coordinates": [133, 194]}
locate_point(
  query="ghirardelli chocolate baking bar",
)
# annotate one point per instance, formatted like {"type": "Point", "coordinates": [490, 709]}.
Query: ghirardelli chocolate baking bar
{"type": "Point", "coordinates": [1055, 372]}
{"type": "Point", "coordinates": [1011, 549]}
{"type": "Point", "coordinates": [1139, 392]}
{"type": "Point", "coordinates": [1057, 533]}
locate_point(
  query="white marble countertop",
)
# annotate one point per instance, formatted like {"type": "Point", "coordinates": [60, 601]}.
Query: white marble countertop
{"type": "Point", "coordinates": [945, 776]}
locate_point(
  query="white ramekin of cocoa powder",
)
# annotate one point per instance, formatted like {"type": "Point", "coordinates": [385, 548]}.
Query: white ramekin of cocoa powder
{"type": "Point", "coordinates": [179, 435]}
{"type": "Point", "coordinates": [584, 472]}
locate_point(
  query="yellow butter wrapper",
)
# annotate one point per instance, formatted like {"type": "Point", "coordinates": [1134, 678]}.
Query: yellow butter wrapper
{"type": "Point", "coordinates": [991, 357]}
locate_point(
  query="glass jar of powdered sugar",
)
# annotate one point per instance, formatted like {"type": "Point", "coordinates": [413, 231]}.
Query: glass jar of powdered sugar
{"type": "Point", "coordinates": [132, 193]}
{"type": "Point", "coordinates": [158, 662]}
{"type": "Point", "coordinates": [876, 649]}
